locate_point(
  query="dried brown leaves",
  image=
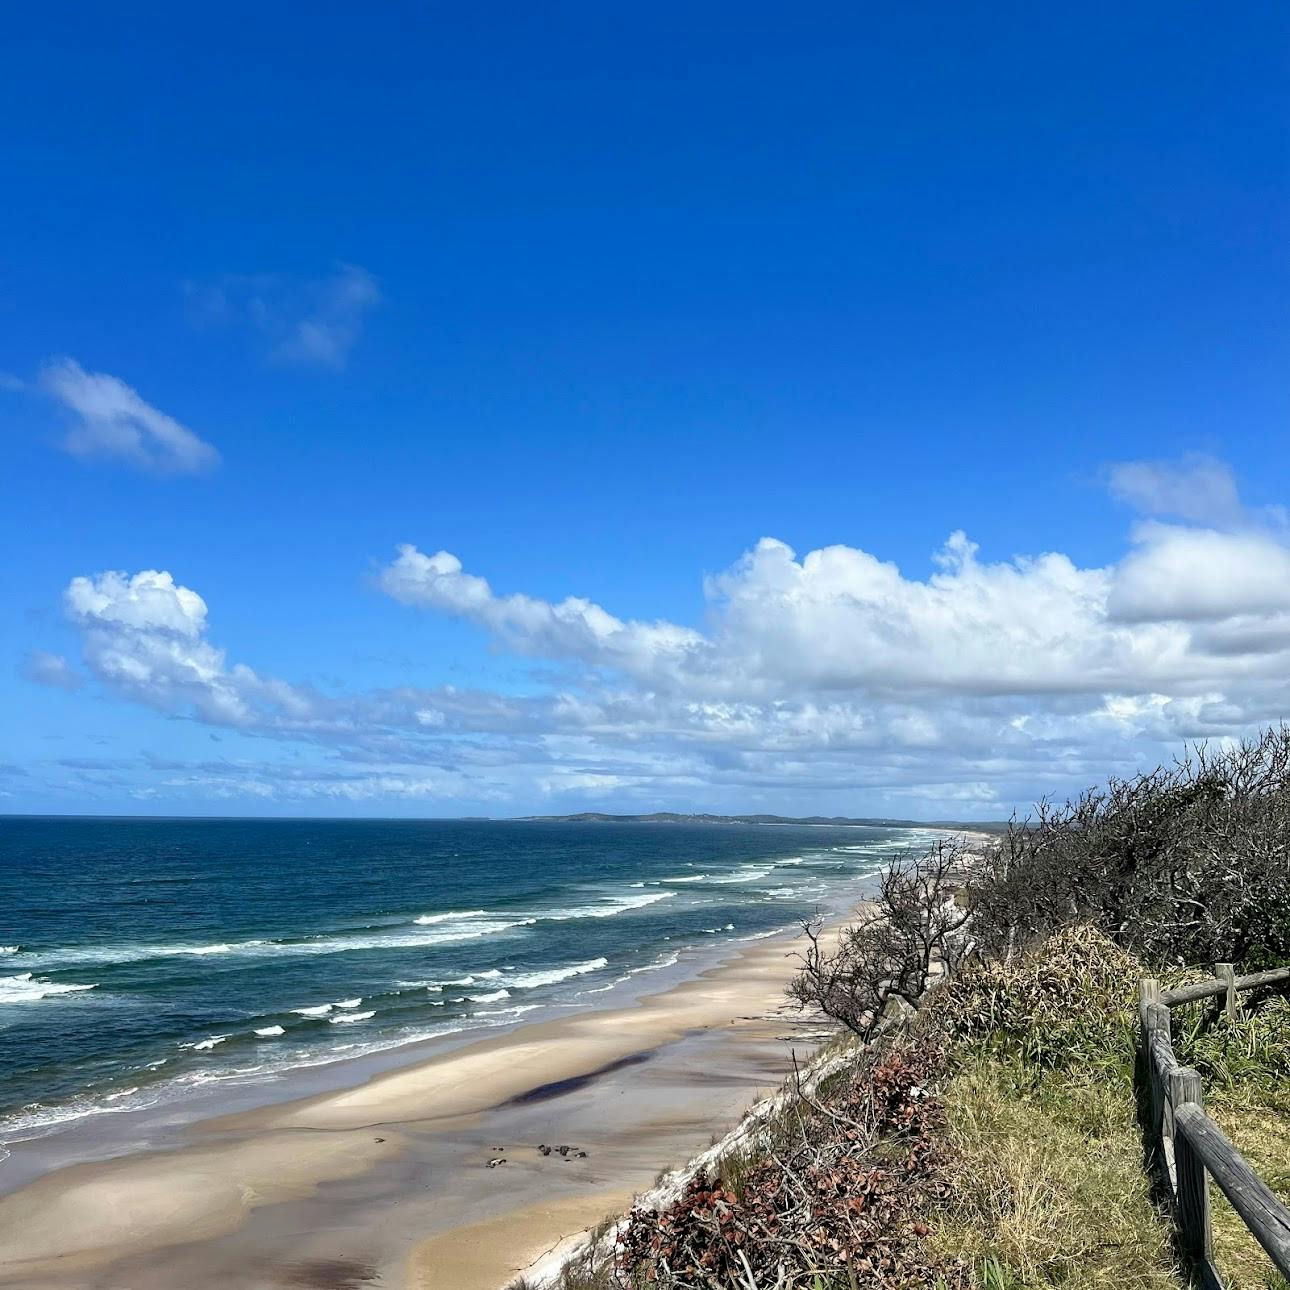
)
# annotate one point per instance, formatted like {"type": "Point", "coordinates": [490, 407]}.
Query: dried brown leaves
{"type": "Point", "coordinates": [838, 1193]}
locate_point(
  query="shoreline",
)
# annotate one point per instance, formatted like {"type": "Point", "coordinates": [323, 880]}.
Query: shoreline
{"type": "Point", "coordinates": [690, 1055]}
{"type": "Point", "coordinates": [388, 1178]}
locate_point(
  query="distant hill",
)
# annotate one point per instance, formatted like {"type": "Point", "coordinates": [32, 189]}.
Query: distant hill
{"type": "Point", "coordinates": [673, 817]}
{"type": "Point", "coordinates": [668, 817]}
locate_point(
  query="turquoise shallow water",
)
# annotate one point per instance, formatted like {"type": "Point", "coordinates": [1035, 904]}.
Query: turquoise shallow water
{"type": "Point", "coordinates": [140, 959]}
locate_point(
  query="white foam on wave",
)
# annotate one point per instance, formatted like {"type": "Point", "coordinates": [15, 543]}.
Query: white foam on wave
{"type": "Point", "coordinates": [268, 1032]}
{"type": "Point", "coordinates": [531, 980]}
{"type": "Point", "coordinates": [490, 998]}
{"type": "Point", "coordinates": [745, 873]}
{"type": "Point", "coordinates": [320, 1011]}
{"type": "Point", "coordinates": [204, 1045]}
{"type": "Point", "coordinates": [508, 1012]}
{"type": "Point", "coordinates": [761, 936]}
{"type": "Point", "coordinates": [35, 1119]}
{"type": "Point", "coordinates": [441, 929]}
{"type": "Point", "coordinates": [348, 1003]}
{"type": "Point", "coordinates": [10, 949]}
{"type": "Point", "coordinates": [28, 988]}
{"type": "Point", "coordinates": [447, 933]}
{"type": "Point", "coordinates": [352, 1016]}
{"type": "Point", "coordinates": [239, 1074]}
{"type": "Point", "coordinates": [695, 877]}
{"type": "Point", "coordinates": [607, 908]}
{"type": "Point", "coordinates": [667, 961]}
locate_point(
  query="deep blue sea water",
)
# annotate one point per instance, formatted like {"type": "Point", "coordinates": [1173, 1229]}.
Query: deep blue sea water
{"type": "Point", "coordinates": [142, 958]}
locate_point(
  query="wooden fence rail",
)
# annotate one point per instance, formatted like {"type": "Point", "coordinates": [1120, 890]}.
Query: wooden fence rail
{"type": "Point", "coordinates": [1190, 1148]}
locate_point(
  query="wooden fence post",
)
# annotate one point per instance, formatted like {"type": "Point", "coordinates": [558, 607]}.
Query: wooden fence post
{"type": "Point", "coordinates": [1149, 997]}
{"type": "Point", "coordinates": [1148, 991]}
{"type": "Point", "coordinates": [1192, 1187]}
{"type": "Point", "coordinates": [1156, 1021]}
{"type": "Point", "coordinates": [1226, 972]}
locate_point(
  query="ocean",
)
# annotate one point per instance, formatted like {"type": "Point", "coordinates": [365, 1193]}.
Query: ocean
{"type": "Point", "coordinates": [143, 958]}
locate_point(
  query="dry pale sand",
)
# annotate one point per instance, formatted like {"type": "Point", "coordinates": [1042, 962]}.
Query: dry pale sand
{"type": "Point", "coordinates": [168, 1218]}
{"type": "Point", "coordinates": [483, 1256]}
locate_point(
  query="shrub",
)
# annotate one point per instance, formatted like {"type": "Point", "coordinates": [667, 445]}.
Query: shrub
{"type": "Point", "coordinates": [1071, 1000]}
{"type": "Point", "coordinates": [902, 940]}
{"type": "Point", "coordinates": [833, 1199]}
{"type": "Point", "coordinates": [1184, 864]}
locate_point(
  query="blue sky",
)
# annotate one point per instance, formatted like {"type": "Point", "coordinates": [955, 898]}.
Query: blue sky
{"type": "Point", "coordinates": [595, 299]}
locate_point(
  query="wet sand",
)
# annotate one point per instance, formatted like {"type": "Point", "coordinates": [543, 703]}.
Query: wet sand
{"type": "Point", "coordinates": [387, 1183]}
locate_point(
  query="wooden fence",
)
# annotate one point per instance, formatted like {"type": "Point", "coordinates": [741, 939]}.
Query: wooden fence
{"type": "Point", "coordinates": [1190, 1148]}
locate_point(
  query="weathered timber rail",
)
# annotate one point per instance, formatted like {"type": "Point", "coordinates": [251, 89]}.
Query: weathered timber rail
{"type": "Point", "coordinates": [1190, 1148]}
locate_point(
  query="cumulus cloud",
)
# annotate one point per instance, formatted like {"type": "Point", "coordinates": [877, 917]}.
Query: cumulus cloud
{"type": "Point", "coordinates": [572, 628]}
{"type": "Point", "coordinates": [829, 681]}
{"type": "Point", "coordinates": [1201, 574]}
{"type": "Point", "coordinates": [112, 420]}
{"type": "Point", "coordinates": [306, 321]}
{"type": "Point", "coordinates": [145, 635]}
{"type": "Point", "coordinates": [52, 670]}
{"type": "Point", "coordinates": [839, 620]}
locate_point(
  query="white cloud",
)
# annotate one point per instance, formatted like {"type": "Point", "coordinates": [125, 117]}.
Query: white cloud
{"type": "Point", "coordinates": [833, 682]}
{"type": "Point", "coordinates": [574, 627]}
{"type": "Point", "coordinates": [840, 621]}
{"type": "Point", "coordinates": [143, 635]}
{"type": "Point", "coordinates": [308, 321]}
{"type": "Point", "coordinates": [113, 421]}
{"type": "Point", "coordinates": [1198, 489]}
{"type": "Point", "coordinates": [52, 670]}
{"type": "Point", "coordinates": [1201, 574]}
{"type": "Point", "coordinates": [150, 601]}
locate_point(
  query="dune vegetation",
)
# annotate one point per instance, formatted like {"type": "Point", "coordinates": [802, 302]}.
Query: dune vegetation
{"type": "Point", "coordinates": [977, 1121]}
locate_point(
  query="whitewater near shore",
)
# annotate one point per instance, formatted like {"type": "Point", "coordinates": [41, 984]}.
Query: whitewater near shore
{"type": "Point", "coordinates": [157, 965]}
{"type": "Point", "coordinates": [391, 1178]}
{"type": "Point", "coordinates": [617, 1016]}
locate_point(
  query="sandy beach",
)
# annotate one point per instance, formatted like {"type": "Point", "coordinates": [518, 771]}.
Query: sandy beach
{"type": "Point", "coordinates": [388, 1182]}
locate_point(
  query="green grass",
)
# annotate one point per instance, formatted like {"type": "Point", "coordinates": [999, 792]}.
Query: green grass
{"type": "Point", "coordinates": [1043, 1182]}
{"type": "Point", "coordinates": [1047, 1184]}
{"type": "Point", "coordinates": [1245, 1069]}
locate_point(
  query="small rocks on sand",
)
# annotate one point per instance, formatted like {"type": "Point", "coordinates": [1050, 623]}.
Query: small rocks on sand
{"type": "Point", "coordinates": [564, 1150]}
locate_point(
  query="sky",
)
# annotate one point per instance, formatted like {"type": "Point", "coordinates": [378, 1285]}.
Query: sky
{"type": "Point", "coordinates": [423, 410]}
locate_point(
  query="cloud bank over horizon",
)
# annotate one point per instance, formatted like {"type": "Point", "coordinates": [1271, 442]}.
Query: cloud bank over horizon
{"type": "Point", "coordinates": [831, 682]}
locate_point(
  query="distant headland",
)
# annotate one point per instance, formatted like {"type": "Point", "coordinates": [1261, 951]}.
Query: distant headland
{"type": "Point", "coordinates": [675, 817]}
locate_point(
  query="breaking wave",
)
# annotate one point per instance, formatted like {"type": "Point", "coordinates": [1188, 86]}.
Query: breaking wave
{"type": "Point", "coordinates": [25, 987]}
